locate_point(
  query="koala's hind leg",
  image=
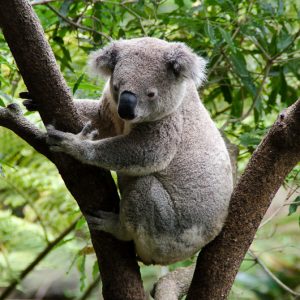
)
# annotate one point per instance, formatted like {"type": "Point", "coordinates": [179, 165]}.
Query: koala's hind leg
{"type": "Point", "coordinates": [108, 222]}
{"type": "Point", "coordinates": [174, 285]}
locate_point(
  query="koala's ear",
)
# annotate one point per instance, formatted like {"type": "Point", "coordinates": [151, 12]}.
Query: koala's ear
{"type": "Point", "coordinates": [102, 62]}
{"type": "Point", "coordinates": [184, 62]}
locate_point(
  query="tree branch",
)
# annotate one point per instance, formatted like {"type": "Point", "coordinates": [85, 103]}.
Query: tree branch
{"type": "Point", "coordinates": [76, 25]}
{"type": "Point", "coordinates": [93, 188]}
{"type": "Point", "coordinates": [12, 118]}
{"type": "Point", "coordinates": [272, 275]}
{"type": "Point", "coordinates": [277, 154]}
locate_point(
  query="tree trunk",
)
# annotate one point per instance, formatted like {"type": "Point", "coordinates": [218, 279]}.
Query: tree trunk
{"type": "Point", "coordinates": [92, 187]}
{"type": "Point", "coordinates": [219, 262]}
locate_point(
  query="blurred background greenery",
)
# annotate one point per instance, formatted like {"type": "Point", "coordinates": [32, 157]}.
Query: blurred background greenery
{"type": "Point", "coordinates": [253, 74]}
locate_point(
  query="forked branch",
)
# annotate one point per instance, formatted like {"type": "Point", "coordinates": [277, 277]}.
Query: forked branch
{"type": "Point", "coordinates": [277, 154]}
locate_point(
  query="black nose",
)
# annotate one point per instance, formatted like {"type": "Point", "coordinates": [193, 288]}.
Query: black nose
{"type": "Point", "coordinates": [127, 104]}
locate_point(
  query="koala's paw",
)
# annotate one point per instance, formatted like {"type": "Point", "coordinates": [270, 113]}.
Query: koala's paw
{"type": "Point", "coordinates": [29, 103]}
{"type": "Point", "coordinates": [101, 220]}
{"type": "Point", "coordinates": [88, 132]}
{"type": "Point", "coordinates": [60, 141]}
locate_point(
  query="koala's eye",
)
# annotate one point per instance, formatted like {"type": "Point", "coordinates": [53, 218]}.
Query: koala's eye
{"type": "Point", "coordinates": [151, 94]}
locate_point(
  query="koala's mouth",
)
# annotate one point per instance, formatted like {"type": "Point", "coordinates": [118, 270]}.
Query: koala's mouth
{"type": "Point", "coordinates": [126, 113]}
{"type": "Point", "coordinates": [127, 105]}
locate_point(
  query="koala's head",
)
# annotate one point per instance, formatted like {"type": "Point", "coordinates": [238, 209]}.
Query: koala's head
{"type": "Point", "coordinates": [148, 76]}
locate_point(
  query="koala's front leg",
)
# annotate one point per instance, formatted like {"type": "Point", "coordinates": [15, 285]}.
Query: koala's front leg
{"type": "Point", "coordinates": [69, 143]}
{"type": "Point", "coordinates": [146, 149]}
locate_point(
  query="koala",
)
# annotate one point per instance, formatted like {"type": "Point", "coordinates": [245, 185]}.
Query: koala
{"type": "Point", "coordinates": [174, 171]}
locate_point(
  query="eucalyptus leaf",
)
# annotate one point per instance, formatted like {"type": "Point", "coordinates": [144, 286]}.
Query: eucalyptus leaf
{"type": "Point", "coordinates": [77, 83]}
{"type": "Point", "coordinates": [294, 206]}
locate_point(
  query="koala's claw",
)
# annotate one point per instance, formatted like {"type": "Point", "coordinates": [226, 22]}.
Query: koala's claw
{"type": "Point", "coordinates": [88, 132]}
{"type": "Point", "coordinates": [54, 136]}
{"type": "Point", "coordinates": [25, 95]}
{"type": "Point", "coordinates": [59, 141]}
{"type": "Point", "coordinates": [95, 223]}
{"type": "Point", "coordinates": [29, 103]}
{"type": "Point", "coordinates": [88, 127]}
{"type": "Point", "coordinates": [100, 218]}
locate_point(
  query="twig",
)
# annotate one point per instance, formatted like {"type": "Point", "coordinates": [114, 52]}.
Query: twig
{"type": "Point", "coordinates": [5, 258]}
{"type": "Point", "coordinates": [123, 5]}
{"type": "Point", "coordinates": [90, 289]}
{"type": "Point", "coordinates": [236, 32]}
{"type": "Point", "coordinates": [217, 113]}
{"type": "Point", "coordinates": [270, 62]}
{"type": "Point", "coordinates": [296, 35]}
{"type": "Point", "coordinates": [69, 21]}
{"type": "Point", "coordinates": [42, 2]}
{"type": "Point", "coordinates": [271, 274]}
{"type": "Point", "coordinates": [256, 97]}
{"type": "Point", "coordinates": [289, 195]}
{"type": "Point", "coordinates": [31, 204]}
{"type": "Point", "coordinates": [41, 256]}
{"type": "Point", "coordinates": [262, 49]}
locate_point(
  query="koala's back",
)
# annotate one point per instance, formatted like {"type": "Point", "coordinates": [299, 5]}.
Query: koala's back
{"type": "Point", "coordinates": [201, 170]}
{"type": "Point", "coordinates": [172, 213]}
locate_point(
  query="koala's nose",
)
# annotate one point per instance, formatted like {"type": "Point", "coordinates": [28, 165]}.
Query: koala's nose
{"type": "Point", "coordinates": [127, 104]}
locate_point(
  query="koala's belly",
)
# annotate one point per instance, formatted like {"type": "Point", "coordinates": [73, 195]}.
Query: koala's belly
{"type": "Point", "coordinates": [167, 249]}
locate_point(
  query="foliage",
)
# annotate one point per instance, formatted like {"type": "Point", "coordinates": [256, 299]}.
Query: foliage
{"type": "Point", "coordinates": [253, 74]}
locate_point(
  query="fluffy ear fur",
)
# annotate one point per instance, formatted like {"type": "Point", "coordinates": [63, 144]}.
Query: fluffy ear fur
{"type": "Point", "coordinates": [103, 61]}
{"type": "Point", "coordinates": [184, 62]}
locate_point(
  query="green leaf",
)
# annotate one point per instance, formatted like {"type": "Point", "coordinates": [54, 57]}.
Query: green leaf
{"type": "Point", "coordinates": [239, 64]}
{"type": "Point", "coordinates": [213, 95]}
{"type": "Point", "coordinates": [248, 139]}
{"type": "Point", "coordinates": [226, 90]}
{"type": "Point", "coordinates": [95, 270]}
{"type": "Point", "coordinates": [210, 32]}
{"type": "Point", "coordinates": [275, 85]}
{"type": "Point", "coordinates": [77, 83]}
{"type": "Point", "coordinates": [80, 223]}
{"type": "Point", "coordinates": [59, 40]}
{"type": "Point", "coordinates": [180, 3]}
{"type": "Point", "coordinates": [2, 102]}
{"type": "Point", "coordinates": [293, 206]}
{"type": "Point", "coordinates": [283, 87]}
{"type": "Point", "coordinates": [64, 9]}
{"type": "Point", "coordinates": [227, 37]}
{"type": "Point", "coordinates": [237, 104]}
{"type": "Point", "coordinates": [81, 268]}
{"type": "Point", "coordinates": [66, 53]}
{"type": "Point", "coordinates": [284, 39]}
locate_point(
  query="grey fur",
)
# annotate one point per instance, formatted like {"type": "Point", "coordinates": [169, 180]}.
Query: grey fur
{"type": "Point", "coordinates": [173, 166]}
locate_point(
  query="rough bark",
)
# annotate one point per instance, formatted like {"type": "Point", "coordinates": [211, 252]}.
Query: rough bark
{"type": "Point", "coordinates": [219, 261]}
{"type": "Point", "coordinates": [12, 118]}
{"type": "Point", "coordinates": [91, 187]}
